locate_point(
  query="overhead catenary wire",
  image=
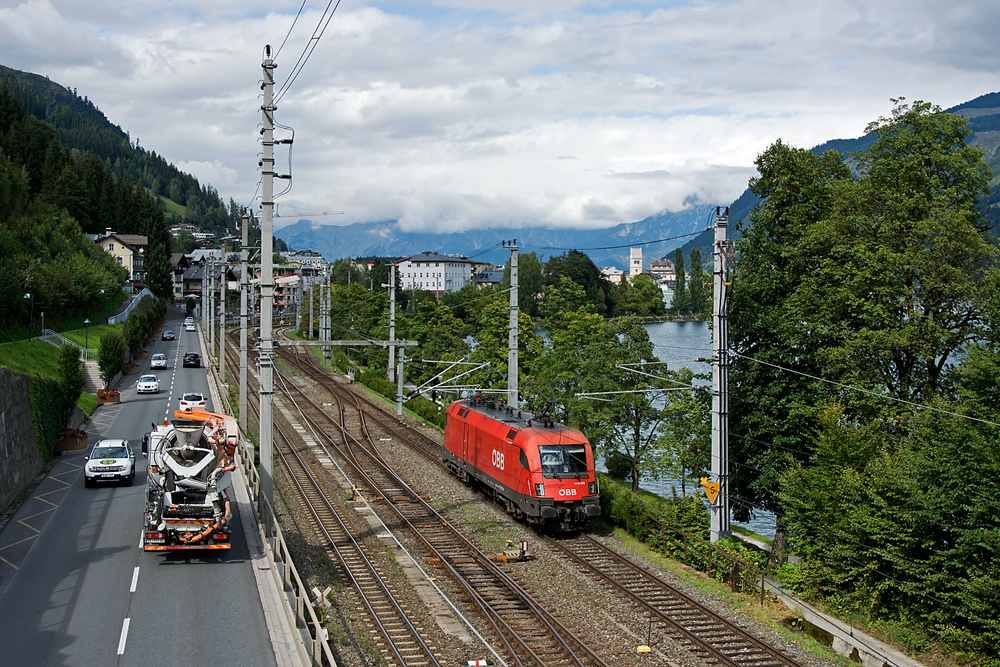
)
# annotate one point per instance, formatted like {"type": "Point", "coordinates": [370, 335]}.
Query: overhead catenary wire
{"type": "Point", "coordinates": [615, 247]}
{"type": "Point", "coordinates": [290, 28]}
{"type": "Point", "coordinates": [307, 51]}
{"type": "Point", "coordinates": [865, 391]}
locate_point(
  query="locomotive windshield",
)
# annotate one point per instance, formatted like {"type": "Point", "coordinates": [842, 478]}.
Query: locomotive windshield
{"type": "Point", "coordinates": [563, 461]}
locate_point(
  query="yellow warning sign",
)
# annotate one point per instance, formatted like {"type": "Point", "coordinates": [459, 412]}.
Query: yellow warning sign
{"type": "Point", "coordinates": [711, 489]}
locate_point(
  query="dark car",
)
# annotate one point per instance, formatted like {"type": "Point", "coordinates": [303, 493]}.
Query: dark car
{"type": "Point", "coordinates": [192, 359]}
{"type": "Point", "coordinates": [167, 335]}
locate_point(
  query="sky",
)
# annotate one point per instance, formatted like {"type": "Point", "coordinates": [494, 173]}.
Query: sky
{"type": "Point", "coordinates": [460, 114]}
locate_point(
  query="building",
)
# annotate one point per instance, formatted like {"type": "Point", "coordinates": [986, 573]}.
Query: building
{"type": "Point", "coordinates": [664, 271]}
{"type": "Point", "coordinates": [613, 274]}
{"type": "Point", "coordinates": [634, 262]}
{"type": "Point", "coordinates": [130, 251]}
{"type": "Point", "coordinates": [437, 273]}
{"type": "Point", "coordinates": [304, 258]}
{"type": "Point", "coordinates": [490, 277]}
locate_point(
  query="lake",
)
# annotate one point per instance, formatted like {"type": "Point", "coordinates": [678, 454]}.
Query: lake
{"type": "Point", "coordinates": [680, 344]}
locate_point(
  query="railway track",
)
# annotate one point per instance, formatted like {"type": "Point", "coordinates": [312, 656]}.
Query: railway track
{"type": "Point", "coordinates": [403, 643]}
{"type": "Point", "coordinates": [532, 635]}
{"type": "Point", "coordinates": [704, 633]}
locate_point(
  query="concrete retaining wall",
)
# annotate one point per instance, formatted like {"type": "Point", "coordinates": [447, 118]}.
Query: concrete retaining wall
{"type": "Point", "coordinates": [19, 457]}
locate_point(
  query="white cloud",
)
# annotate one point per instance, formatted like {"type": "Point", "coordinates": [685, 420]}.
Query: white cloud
{"type": "Point", "coordinates": [464, 113]}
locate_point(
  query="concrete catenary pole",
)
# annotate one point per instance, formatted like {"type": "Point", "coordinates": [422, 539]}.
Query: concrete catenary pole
{"type": "Point", "coordinates": [391, 370]}
{"type": "Point", "coordinates": [267, 287]}
{"type": "Point", "coordinates": [204, 290]}
{"type": "Point", "coordinates": [222, 320]}
{"type": "Point", "coordinates": [244, 321]}
{"type": "Point", "coordinates": [312, 311]}
{"type": "Point", "coordinates": [512, 399]}
{"type": "Point", "coordinates": [211, 308]}
{"type": "Point", "coordinates": [719, 528]}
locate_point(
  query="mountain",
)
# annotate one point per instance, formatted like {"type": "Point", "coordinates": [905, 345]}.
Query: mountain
{"type": "Point", "coordinates": [81, 126]}
{"type": "Point", "coordinates": [983, 115]}
{"type": "Point", "coordinates": [657, 235]}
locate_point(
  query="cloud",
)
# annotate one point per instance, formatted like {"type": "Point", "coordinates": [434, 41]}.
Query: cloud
{"type": "Point", "coordinates": [462, 113]}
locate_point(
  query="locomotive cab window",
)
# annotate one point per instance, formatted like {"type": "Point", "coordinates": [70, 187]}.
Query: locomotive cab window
{"type": "Point", "coordinates": [522, 458]}
{"type": "Point", "coordinates": [563, 460]}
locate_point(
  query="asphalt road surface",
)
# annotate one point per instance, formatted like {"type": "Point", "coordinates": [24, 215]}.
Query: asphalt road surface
{"type": "Point", "coordinates": [82, 591]}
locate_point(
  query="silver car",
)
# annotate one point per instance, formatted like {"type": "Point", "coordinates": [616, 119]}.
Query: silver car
{"type": "Point", "coordinates": [109, 461]}
{"type": "Point", "coordinates": [158, 361]}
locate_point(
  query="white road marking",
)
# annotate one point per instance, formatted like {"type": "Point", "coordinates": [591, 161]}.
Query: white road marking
{"type": "Point", "coordinates": [121, 642]}
{"type": "Point", "coordinates": [135, 579]}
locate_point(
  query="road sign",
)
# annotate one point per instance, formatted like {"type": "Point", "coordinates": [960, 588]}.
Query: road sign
{"type": "Point", "coordinates": [711, 489]}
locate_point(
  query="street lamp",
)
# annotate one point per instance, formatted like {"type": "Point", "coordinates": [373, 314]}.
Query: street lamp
{"type": "Point", "coordinates": [86, 338]}
{"type": "Point", "coordinates": [31, 312]}
{"type": "Point", "coordinates": [105, 306]}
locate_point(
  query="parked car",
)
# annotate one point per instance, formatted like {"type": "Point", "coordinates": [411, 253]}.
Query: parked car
{"type": "Point", "coordinates": [192, 400]}
{"type": "Point", "coordinates": [158, 361]}
{"type": "Point", "coordinates": [167, 334]}
{"type": "Point", "coordinates": [192, 359]}
{"type": "Point", "coordinates": [147, 384]}
{"type": "Point", "coordinates": [109, 461]}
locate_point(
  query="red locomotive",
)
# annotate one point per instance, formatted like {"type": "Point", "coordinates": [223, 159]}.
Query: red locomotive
{"type": "Point", "coordinates": [539, 470]}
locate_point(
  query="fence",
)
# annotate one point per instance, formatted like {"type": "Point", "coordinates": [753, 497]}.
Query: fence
{"type": "Point", "coordinates": [54, 338]}
{"type": "Point", "coordinates": [122, 316]}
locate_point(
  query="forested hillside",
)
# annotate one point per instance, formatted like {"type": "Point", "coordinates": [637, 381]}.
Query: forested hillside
{"type": "Point", "coordinates": [65, 171]}
{"type": "Point", "coordinates": [80, 126]}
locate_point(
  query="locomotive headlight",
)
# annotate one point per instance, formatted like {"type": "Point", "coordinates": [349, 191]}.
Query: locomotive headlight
{"type": "Point", "coordinates": [591, 488]}
{"type": "Point", "coordinates": [540, 490]}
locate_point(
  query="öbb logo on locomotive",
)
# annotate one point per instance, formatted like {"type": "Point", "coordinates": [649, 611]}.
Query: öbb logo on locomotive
{"type": "Point", "coordinates": [550, 481]}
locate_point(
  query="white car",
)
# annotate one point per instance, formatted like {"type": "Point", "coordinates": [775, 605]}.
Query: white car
{"type": "Point", "coordinates": [192, 400]}
{"type": "Point", "coordinates": [189, 326]}
{"type": "Point", "coordinates": [109, 461]}
{"type": "Point", "coordinates": [158, 361]}
{"type": "Point", "coordinates": [147, 384]}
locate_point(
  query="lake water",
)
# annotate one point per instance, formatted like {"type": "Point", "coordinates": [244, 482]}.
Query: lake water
{"type": "Point", "coordinates": [680, 344]}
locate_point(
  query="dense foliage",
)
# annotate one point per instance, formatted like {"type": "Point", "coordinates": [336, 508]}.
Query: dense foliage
{"type": "Point", "coordinates": [111, 356]}
{"type": "Point", "coordinates": [71, 378]}
{"type": "Point", "coordinates": [863, 315]}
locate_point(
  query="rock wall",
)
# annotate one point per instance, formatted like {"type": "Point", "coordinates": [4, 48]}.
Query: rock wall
{"type": "Point", "coordinates": [19, 457]}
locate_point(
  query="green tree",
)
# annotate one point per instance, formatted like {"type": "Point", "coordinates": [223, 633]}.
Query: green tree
{"type": "Point", "coordinates": [686, 428]}
{"type": "Point", "coordinates": [643, 297]}
{"type": "Point", "coordinates": [564, 296]}
{"type": "Point", "coordinates": [698, 281]}
{"type": "Point", "coordinates": [491, 345]}
{"type": "Point", "coordinates": [530, 282]}
{"type": "Point", "coordinates": [111, 356]}
{"type": "Point", "coordinates": [772, 410]}
{"type": "Point", "coordinates": [184, 242]}
{"type": "Point", "coordinates": [680, 303]}
{"type": "Point", "coordinates": [579, 268]}
{"type": "Point", "coordinates": [71, 377]}
{"type": "Point", "coordinates": [875, 279]}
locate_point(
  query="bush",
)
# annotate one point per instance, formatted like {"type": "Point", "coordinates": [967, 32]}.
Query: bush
{"type": "Point", "coordinates": [71, 377]}
{"type": "Point", "coordinates": [46, 412]}
{"type": "Point", "coordinates": [111, 356]}
{"type": "Point", "coordinates": [619, 466]}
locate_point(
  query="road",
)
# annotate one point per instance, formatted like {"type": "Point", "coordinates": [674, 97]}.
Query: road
{"type": "Point", "coordinates": [84, 592]}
